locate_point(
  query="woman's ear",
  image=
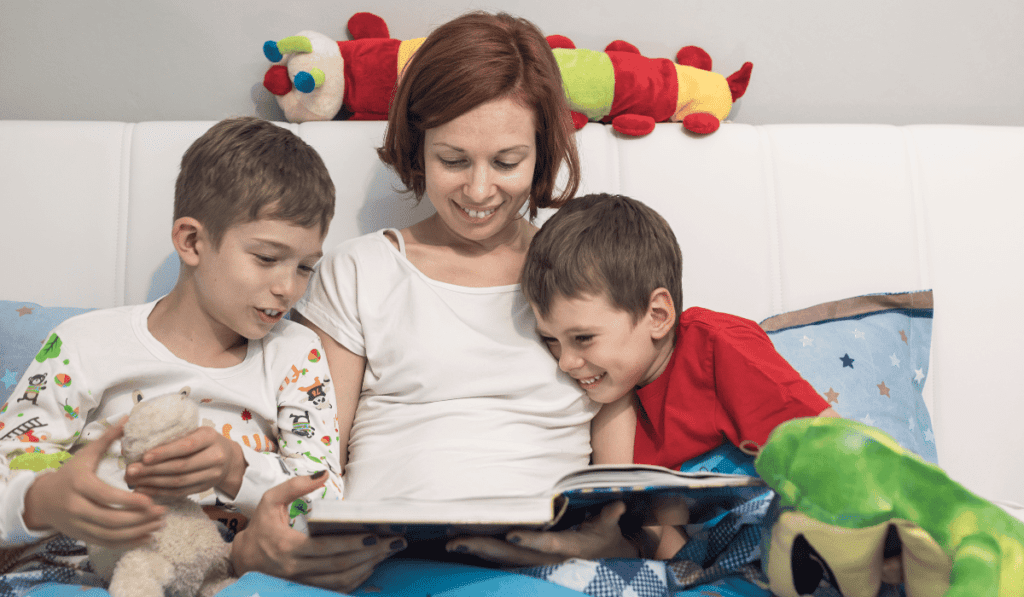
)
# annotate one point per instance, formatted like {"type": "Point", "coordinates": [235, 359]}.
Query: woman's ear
{"type": "Point", "coordinates": [661, 312]}
{"type": "Point", "coordinates": [185, 235]}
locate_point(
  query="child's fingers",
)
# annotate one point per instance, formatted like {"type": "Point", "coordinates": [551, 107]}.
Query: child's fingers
{"type": "Point", "coordinates": [170, 488]}
{"type": "Point", "coordinates": [128, 538]}
{"type": "Point", "coordinates": [105, 496]}
{"type": "Point", "coordinates": [195, 442]}
{"type": "Point", "coordinates": [209, 461]}
{"type": "Point", "coordinates": [91, 453]}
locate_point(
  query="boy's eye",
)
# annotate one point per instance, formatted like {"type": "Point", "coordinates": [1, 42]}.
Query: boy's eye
{"type": "Point", "coordinates": [265, 259]}
{"type": "Point", "coordinates": [584, 338]}
{"type": "Point", "coordinates": [306, 269]}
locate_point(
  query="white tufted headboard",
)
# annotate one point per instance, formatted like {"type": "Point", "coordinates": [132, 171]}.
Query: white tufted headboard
{"type": "Point", "coordinates": [770, 219]}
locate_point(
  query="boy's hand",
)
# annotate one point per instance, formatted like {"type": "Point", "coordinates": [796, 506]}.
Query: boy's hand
{"type": "Point", "coordinates": [76, 502]}
{"type": "Point", "coordinates": [192, 464]}
{"type": "Point", "coordinates": [269, 545]}
{"type": "Point", "coordinates": [599, 537]}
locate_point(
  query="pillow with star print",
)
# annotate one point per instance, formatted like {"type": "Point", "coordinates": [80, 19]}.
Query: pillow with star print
{"type": "Point", "coordinates": [23, 329]}
{"type": "Point", "coordinates": [868, 357]}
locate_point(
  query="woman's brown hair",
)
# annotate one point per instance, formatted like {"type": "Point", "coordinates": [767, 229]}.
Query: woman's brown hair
{"type": "Point", "coordinates": [473, 59]}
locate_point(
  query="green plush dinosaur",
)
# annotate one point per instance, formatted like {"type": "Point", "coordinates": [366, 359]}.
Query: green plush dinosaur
{"type": "Point", "coordinates": [847, 491]}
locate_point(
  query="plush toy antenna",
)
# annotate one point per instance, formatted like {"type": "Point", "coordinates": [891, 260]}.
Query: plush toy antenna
{"type": "Point", "coordinates": [739, 80]}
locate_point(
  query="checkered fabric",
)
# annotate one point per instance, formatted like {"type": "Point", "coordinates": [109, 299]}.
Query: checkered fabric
{"type": "Point", "coordinates": [58, 559]}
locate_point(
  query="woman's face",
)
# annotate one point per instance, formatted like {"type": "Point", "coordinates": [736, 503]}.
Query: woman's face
{"type": "Point", "coordinates": [479, 168]}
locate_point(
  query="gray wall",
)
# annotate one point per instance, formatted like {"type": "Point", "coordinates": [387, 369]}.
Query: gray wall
{"type": "Point", "coordinates": [815, 61]}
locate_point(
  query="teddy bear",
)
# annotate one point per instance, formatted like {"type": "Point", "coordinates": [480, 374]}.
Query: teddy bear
{"type": "Point", "coordinates": [188, 556]}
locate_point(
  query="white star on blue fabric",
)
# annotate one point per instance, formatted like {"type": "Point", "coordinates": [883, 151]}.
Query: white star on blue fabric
{"type": "Point", "coordinates": [895, 360]}
{"type": "Point", "coordinates": [858, 334]}
{"type": "Point", "coordinates": [918, 375]}
{"type": "Point", "coordinates": [806, 341]}
{"type": "Point", "coordinates": [911, 422]}
{"type": "Point", "coordinates": [9, 379]}
{"type": "Point", "coordinates": [928, 436]}
{"type": "Point", "coordinates": [868, 420]}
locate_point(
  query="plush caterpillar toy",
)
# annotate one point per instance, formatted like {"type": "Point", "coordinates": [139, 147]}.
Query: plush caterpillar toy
{"type": "Point", "coordinates": [317, 78]}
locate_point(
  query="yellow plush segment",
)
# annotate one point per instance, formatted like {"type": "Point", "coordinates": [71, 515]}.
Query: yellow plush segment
{"type": "Point", "coordinates": [405, 51]}
{"type": "Point", "coordinates": [855, 556]}
{"type": "Point", "coordinates": [925, 566]}
{"type": "Point", "coordinates": [701, 91]}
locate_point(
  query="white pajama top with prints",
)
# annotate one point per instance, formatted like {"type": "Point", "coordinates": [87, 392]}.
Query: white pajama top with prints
{"type": "Point", "coordinates": [459, 396]}
{"type": "Point", "coordinates": [277, 404]}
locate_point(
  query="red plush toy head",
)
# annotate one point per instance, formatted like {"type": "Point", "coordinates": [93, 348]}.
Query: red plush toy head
{"type": "Point", "coordinates": [317, 78]}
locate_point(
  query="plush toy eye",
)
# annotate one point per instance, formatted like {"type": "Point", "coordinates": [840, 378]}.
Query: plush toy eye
{"type": "Point", "coordinates": [137, 396]}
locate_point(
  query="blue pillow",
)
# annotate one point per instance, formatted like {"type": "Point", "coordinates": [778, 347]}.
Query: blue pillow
{"type": "Point", "coordinates": [23, 329]}
{"type": "Point", "coordinates": [868, 357]}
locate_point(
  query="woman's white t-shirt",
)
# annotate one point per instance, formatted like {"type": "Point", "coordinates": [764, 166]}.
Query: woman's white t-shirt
{"type": "Point", "coordinates": [459, 396]}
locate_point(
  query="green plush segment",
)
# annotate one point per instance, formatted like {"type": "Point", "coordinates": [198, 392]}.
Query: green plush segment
{"type": "Point", "coordinates": [318, 77]}
{"type": "Point", "coordinates": [588, 79]}
{"type": "Point", "coordinates": [847, 474]}
{"type": "Point", "coordinates": [295, 43]}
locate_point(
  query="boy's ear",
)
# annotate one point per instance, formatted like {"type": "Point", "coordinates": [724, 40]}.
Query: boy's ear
{"type": "Point", "coordinates": [186, 234]}
{"type": "Point", "coordinates": [661, 312]}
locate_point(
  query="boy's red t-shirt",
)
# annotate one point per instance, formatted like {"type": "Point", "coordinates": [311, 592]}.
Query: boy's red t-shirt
{"type": "Point", "coordinates": [724, 382]}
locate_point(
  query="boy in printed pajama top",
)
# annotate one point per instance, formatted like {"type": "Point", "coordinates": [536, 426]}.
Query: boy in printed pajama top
{"type": "Point", "coordinates": [253, 203]}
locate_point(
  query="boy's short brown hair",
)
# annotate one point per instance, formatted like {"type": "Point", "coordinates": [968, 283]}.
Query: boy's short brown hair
{"type": "Point", "coordinates": [604, 244]}
{"type": "Point", "coordinates": [244, 169]}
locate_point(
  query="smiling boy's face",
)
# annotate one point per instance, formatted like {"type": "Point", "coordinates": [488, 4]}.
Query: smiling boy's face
{"type": "Point", "coordinates": [602, 347]}
{"type": "Point", "coordinates": [256, 274]}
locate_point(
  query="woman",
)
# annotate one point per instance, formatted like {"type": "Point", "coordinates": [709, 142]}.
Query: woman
{"type": "Point", "coordinates": [434, 359]}
{"type": "Point", "coordinates": [443, 387]}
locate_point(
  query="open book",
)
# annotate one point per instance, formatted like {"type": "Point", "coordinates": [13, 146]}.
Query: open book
{"type": "Point", "coordinates": [573, 498]}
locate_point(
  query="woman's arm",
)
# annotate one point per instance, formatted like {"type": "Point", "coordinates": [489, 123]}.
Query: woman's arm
{"type": "Point", "coordinates": [347, 371]}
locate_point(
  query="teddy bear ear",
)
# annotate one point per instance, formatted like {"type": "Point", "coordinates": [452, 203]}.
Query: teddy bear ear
{"type": "Point", "coordinates": [137, 396]}
{"type": "Point", "coordinates": [185, 391]}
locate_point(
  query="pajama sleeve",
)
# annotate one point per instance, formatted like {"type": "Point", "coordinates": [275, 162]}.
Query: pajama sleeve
{"type": "Point", "coordinates": [307, 430]}
{"type": "Point", "coordinates": [40, 422]}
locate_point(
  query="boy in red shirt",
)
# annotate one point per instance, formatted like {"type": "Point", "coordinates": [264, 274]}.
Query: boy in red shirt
{"type": "Point", "coordinates": [604, 277]}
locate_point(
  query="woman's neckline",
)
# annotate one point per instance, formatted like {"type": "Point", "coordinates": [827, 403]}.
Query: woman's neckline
{"type": "Point", "coordinates": [402, 253]}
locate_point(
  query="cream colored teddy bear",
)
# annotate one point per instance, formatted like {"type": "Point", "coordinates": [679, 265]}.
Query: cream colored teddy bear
{"type": "Point", "coordinates": [187, 557]}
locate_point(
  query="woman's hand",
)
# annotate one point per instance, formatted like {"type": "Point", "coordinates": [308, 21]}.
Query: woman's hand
{"type": "Point", "coordinates": [76, 502]}
{"type": "Point", "coordinates": [269, 545]}
{"type": "Point", "coordinates": [599, 537]}
{"type": "Point", "coordinates": [199, 461]}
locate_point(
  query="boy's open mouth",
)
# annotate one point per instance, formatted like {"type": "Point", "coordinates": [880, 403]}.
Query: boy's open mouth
{"type": "Point", "coordinates": [590, 382]}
